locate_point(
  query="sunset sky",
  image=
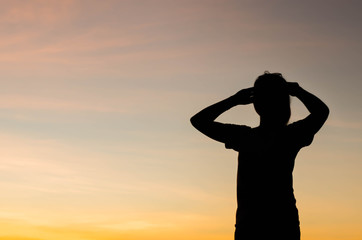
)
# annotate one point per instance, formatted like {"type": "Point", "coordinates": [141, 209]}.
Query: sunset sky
{"type": "Point", "coordinates": [95, 102]}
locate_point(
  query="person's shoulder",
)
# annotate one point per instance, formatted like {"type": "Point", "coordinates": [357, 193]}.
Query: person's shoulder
{"type": "Point", "coordinates": [300, 125]}
{"type": "Point", "coordinates": [237, 127]}
{"type": "Point", "coordinates": [299, 133]}
{"type": "Point", "coordinates": [238, 134]}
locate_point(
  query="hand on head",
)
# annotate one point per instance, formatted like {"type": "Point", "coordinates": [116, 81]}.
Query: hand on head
{"type": "Point", "coordinates": [293, 88]}
{"type": "Point", "coordinates": [244, 96]}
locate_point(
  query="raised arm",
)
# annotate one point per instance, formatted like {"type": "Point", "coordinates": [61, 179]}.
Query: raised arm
{"type": "Point", "coordinates": [204, 121]}
{"type": "Point", "coordinates": [318, 110]}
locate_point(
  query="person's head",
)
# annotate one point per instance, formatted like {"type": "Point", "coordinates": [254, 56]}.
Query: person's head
{"type": "Point", "coordinates": [271, 98]}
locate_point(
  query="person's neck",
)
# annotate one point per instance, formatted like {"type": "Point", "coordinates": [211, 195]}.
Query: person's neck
{"type": "Point", "coordinates": [269, 124]}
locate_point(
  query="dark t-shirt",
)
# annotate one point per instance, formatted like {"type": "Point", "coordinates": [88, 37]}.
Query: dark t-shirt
{"type": "Point", "coordinates": [265, 166]}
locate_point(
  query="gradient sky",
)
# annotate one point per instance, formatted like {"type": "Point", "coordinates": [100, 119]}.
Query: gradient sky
{"type": "Point", "coordinates": [95, 101]}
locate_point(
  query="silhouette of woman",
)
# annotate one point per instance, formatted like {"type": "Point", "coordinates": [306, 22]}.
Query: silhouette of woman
{"type": "Point", "coordinates": [266, 203]}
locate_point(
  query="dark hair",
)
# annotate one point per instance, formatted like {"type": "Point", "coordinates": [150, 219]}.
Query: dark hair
{"type": "Point", "coordinates": [271, 98]}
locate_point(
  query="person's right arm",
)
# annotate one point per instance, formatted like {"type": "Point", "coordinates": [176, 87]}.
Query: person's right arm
{"type": "Point", "coordinates": [204, 121]}
{"type": "Point", "coordinates": [318, 110]}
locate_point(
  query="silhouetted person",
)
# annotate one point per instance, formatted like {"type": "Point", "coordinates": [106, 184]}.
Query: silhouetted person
{"type": "Point", "coordinates": [266, 203]}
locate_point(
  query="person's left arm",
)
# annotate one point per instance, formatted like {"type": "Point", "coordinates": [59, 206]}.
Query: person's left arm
{"type": "Point", "coordinates": [204, 121]}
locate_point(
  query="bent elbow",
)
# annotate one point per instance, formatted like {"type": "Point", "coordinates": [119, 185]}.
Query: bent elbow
{"type": "Point", "coordinates": [194, 121]}
{"type": "Point", "coordinates": [326, 112]}
{"type": "Point", "coordinates": [199, 123]}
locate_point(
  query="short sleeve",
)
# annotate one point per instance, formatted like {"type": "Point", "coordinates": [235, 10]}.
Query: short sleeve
{"type": "Point", "coordinates": [301, 133]}
{"type": "Point", "coordinates": [237, 136]}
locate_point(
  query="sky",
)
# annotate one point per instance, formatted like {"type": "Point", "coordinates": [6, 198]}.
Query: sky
{"type": "Point", "coordinates": [95, 102]}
